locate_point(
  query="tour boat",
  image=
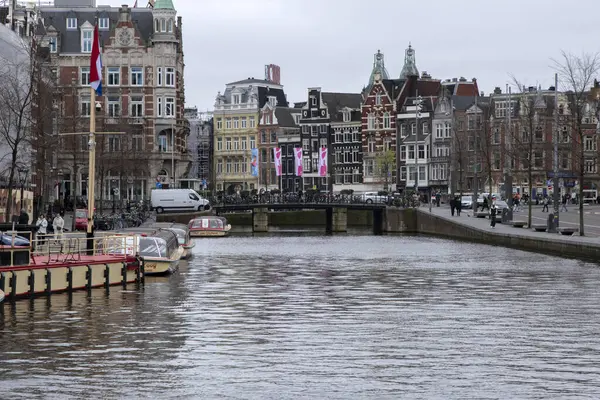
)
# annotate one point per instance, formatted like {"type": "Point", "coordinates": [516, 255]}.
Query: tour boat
{"type": "Point", "coordinates": [45, 266]}
{"type": "Point", "coordinates": [183, 235]}
{"type": "Point", "coordinates": [209, 226]}
{"type": "Point", "coordinates": [158, 248]}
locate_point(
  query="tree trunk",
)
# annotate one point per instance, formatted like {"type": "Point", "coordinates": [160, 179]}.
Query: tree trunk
{"type": "Point", "coordinates": [581, 176]}
{"type": "Point", "coordinates": [530, 202]}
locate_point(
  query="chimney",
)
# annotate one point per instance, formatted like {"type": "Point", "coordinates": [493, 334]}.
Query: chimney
{"type": "Point", "coordinates": [454, 80]}
{"type": "Point", "coordinates": [462, 79]}
{"type": "Point", "coordinates": [552, 89]}
{"type": "Point", "coordinates": [474, 80]}
{"type": "Point", "coordinates": [124, 14]}
{"type": "Point", "coordinates": [531, 89]}
{"type": "Point", "coordinates": [497, 90]}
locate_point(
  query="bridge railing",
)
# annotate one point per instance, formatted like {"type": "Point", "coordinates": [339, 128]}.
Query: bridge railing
{"type": "Point", "coordinates": [314, 198]}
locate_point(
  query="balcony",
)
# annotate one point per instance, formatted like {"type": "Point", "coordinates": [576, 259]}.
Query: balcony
{"type": "Point", "coordinates": [231, 152]}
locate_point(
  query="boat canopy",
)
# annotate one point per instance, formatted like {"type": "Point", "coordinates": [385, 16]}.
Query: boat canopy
{"type": "Point", "coordinates": [161, 244]}
{"type": "Point", "coordinates": [209, 223]}
{"type": "Point", "coordinates": [181, 230]}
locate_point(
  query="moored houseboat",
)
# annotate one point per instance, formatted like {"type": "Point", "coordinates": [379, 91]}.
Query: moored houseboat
{"type": "Point", "coordinates": [51, 265]}
{"type": "Point", "coordinates": [158, 248]}
{"type": "Point", "coordinates": [209, 225]}
{"type": "Point", "coordinates": [183, 235]}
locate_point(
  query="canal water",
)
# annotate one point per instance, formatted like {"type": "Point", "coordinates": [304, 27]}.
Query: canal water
{"type": "Point", "coordinates": [297, 316]}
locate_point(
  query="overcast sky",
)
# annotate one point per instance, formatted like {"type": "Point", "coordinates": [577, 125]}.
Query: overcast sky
{"type": "Point", "coordinates": [330, 43]}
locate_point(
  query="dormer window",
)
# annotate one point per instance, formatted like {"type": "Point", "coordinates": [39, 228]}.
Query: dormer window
{"type": "Point", "coordinates": [296, 119]}
{"type": "Point", "coordinates": [52, 44]}
{"type": "Point", "coordinates": [267, 119]}
{"type": "Point", "coordinates": [272, 101]}
{"type": "Point", "coordinates": [86, 41]}
{"type": "Point", "coordinates": [103, 23]}
{"type": "Point", "coordinates": [378, 99]}
{"type": "Point", "coordinates": [346, 115]}
{"type": "Point", "coordinates": [313, 101]}
{"type": "Point", "coordinates": [71, 23]}
{"type": "Point", "coordinates": [235, 99]}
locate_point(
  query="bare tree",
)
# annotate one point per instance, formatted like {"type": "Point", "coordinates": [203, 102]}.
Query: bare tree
{"type": "Point", "coordinates": [18, 62]}
{"type": "Point", "coordinates": [459, 153]}
{"type": "Point", "coordinates": [486, 143]}
{"type": "Point", "coordinates": [576, 74]}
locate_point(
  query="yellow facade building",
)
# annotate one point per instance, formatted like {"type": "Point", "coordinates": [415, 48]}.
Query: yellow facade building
{"type": "Point", "coordinates": [236, 117]}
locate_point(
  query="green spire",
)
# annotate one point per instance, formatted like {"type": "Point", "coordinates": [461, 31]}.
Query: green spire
{"type": "Point", "coordinates": [163, 4]}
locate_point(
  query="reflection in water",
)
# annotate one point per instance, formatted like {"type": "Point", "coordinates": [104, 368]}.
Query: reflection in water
{"type": "Point", "coordinates": [320, 317]}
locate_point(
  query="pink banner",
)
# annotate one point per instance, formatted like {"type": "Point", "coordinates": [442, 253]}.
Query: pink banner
{"type": "Point", "coordinates": [323, 162]}
{"type": "Point", "coordinates": [277, 158]}
{"type": "Point", "coordinates": [298, 160]}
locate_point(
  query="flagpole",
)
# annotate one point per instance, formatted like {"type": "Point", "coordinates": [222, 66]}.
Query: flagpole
{"type": "Point", "coordinates": [91, 170]}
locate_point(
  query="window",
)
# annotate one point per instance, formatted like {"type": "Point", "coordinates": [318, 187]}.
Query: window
{"type": "Point", "coordinates": [538, 159]}
{"type": "Point", "coordinates": [412, 173]}
{"type": "Point", "coordinates": [252, 142]}
{"type": "Point", "coordinates": [539, 133]}
{"type": "Point", "coordinates": [447, 129]}
{"type": "Point", "coordinates": [313, 101]}
{"type": "Point", "coordinates": [244, 143]}
{"type": "Point", "coordinates": [370, 121]}
{"type": "Point", "coordinates": [170, 25]}
{"type": "Point", "coordinates": [496, 136]}
{"type": "Point", "coordinates": [273, 137]}
{"type": "Point", "coordinates": [228, 165]}
{"type": "Point", "coordinates": [263, 136]}
{"type": "Point", "coordinates": [387, 144]}
{"type": "Point", "coordinates": [235, 99]}
{"type": "Point", "coordinates": [84, 73]}
{"type": "Point", "coordinates": [411, 152]}
{"type": "Point", "coordinates": [267, 119]}
{"type": "Point", "coordinates": [114, 106]}
{"type": "Point", "coordinates": [219, 144]}
{"type": "Point", "coordinates": [137, 76]}
{"type": "Point", "coordinates": [227, 143]}
{"type": "Point", "coordinates": [323, 142]}
{"type": "Point", "coordinates": [421, 151]}
{"type": "Point", "coordinates": [590, 166]}
{"type": "Point", "coordinates": [346, 116]}
{"type": "Point", "coordinates": [244, 122]}
{"type": "Point", "coordinates": [86, 41]}
{"type": "Point", "coordinates": [236, 143]}
{"type": "Point", "coordinates": [236, 123]}
{"type": "Point", "coordinates": [113, 76]}
{"type": "Point", "coordinates": [114, 144]}
{"type": "Point", "coordinates": [378, 99]}
{"type": "Point", "coordinates": [386, 120]}
{"type": "Point", "coordinates": [403, 152]}
{"type": "Point", "coordinates": [159, 106]}
{"type": "Point", "coordinates": [439, 131]}
{"type": "Point", "coordinates": [52, 44]}
{"type": "Point", "coordinates": [137, 143]}
{"type": "Point", "coordinates": [170, 77]}
{"type": "Point", "coordinates": [219, 123]}
{"type": "Point", "coordinates": [228, 123]}
{"type": "Point", "coordinates": [71, 23]}
{"type": "Point", "coordinates": [219, 166]}
{"type": "Point", "coordinates": [169, 106]}
{"type": "Point", "coordinates": [103, 23]}
{"type": "Point", "coordinates": [85, 107]}
{"type": "Point", "coordinates": [323, 128]}
{"type": "Point", "coordinates": [403, 130]}
{"type": "Point", "coordinates": [413, 129]}
{"type": "Point", "coordinates": [422, 174]}
{"type": "Point", "coordinates": [565, 135]}
{"type": "Point", "coordinates": [402, 173]}
{"type": "Point", "coordinates": [252, 122]}
{"type": "Point", "coordinates": [369, 167]}
{"type": "Point", "coordinates": [590, 144]}
{"type": "Point", "coordinates": [159, 76]}
{"type": "Point", "coordinates": [163, 25]}
{"type": "Point", "coordinates": [371, 144]}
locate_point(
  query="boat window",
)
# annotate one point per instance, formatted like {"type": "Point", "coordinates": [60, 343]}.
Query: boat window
{"type": "Point", "coordinates": [194, 197]}
{"type": "Point", "coordinates": [162, 248]}
{"type": "Point", "coordinates": [216, 224]}
{"type": "Point", "coordinates": [180, 234]}
{"type": "Point", "coordinates": [148, 247]}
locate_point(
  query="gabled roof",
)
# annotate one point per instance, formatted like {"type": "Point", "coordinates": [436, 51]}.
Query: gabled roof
{"type": "Point", "coordinates": [70, 40]}
{"type": "Point", "coordinates": [264, 94]}
{"type": "Point", "coordinates": [252, 80]}
{"type": "Point", "coordinates": [337, 102]}
{"type": "Point", "coordinates": [285, 117]}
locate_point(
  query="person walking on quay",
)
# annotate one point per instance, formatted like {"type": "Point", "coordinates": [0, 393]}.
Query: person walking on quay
{"type": "Point", "coordinates": [23, 217]}
{"type": "Point", "coordinates": [485, 205]}
{"type": "Point", "coordinates": [58, 224]}
{"type": "Point", "coordinates": [458, 205]}
{"type": "Point", "coordinates": [545, 208]}
{"type": "Point", "coordinates": [564, 203]}
{"type": "Point", "coordinates": [452, 206]}
{"type": "Point", "coordinates": [493, 212]}
{"type": "Point", "coordinates": [42, 225]}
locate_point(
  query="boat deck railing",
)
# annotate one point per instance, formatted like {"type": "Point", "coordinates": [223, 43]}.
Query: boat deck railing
{"type": "Point", "coordinates": [70, 247]}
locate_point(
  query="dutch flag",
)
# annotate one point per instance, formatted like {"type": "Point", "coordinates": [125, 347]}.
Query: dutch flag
{"type": "Point", "coordinates": [96, 64]}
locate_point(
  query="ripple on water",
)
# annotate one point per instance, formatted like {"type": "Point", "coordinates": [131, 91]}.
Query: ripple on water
{"type": "Point", "coordinates": [320, 317]}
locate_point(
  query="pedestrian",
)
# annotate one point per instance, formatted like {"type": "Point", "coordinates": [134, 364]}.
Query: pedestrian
{"type": "Point", "coordinates": [23, 217]}
{"type": "Point", "coordinates": [58, 224]}
{"type": "Point", "coordinates": [458, 206]}
{"type": "Point", "coordinates": [564, 203]}
{"type": "Point", "coordinates": [545, 208]}
{"type": "Point", "coordinates": [493, 212]}
{"type": "Point", "coordinates": [485, 205]}
{"type": "Point", "coordinates": [438, 198]}
{"type": "Point", "coordinates": [42, 225]}
{"type": "Point", "coordinates": [452, 206]}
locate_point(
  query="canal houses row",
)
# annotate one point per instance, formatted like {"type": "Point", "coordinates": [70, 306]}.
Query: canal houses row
{"type": "Point", "coordinates": [410, 132]}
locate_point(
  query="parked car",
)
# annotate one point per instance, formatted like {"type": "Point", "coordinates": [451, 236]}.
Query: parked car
{"type": "Point", "coordinates": [374, 197]}
{"type": "Point", "coordinates": [466, 202]}
{"type": "Point", "coordinates": [80, 220]}
{"type": "Point", "coordinates": [501, 205]}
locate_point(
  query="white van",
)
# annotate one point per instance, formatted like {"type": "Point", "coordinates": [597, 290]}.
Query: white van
{"type": "Point", "coordinates": [177, 200]}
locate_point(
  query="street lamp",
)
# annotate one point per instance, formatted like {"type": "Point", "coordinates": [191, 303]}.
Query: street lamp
{"type": "Point", "coordinates": [23, 172]}
{"type": "Point", "coordinates": [114, 194]}
{"type": "Point", "coordinates": [61, 197]}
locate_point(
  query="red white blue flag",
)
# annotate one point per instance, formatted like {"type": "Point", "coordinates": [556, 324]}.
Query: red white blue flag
{"type": "Point", "coordinates": [96, 64]}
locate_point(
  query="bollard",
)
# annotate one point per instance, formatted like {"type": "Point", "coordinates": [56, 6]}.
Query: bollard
{"type": "Point", "coordinates": [552, 228]}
